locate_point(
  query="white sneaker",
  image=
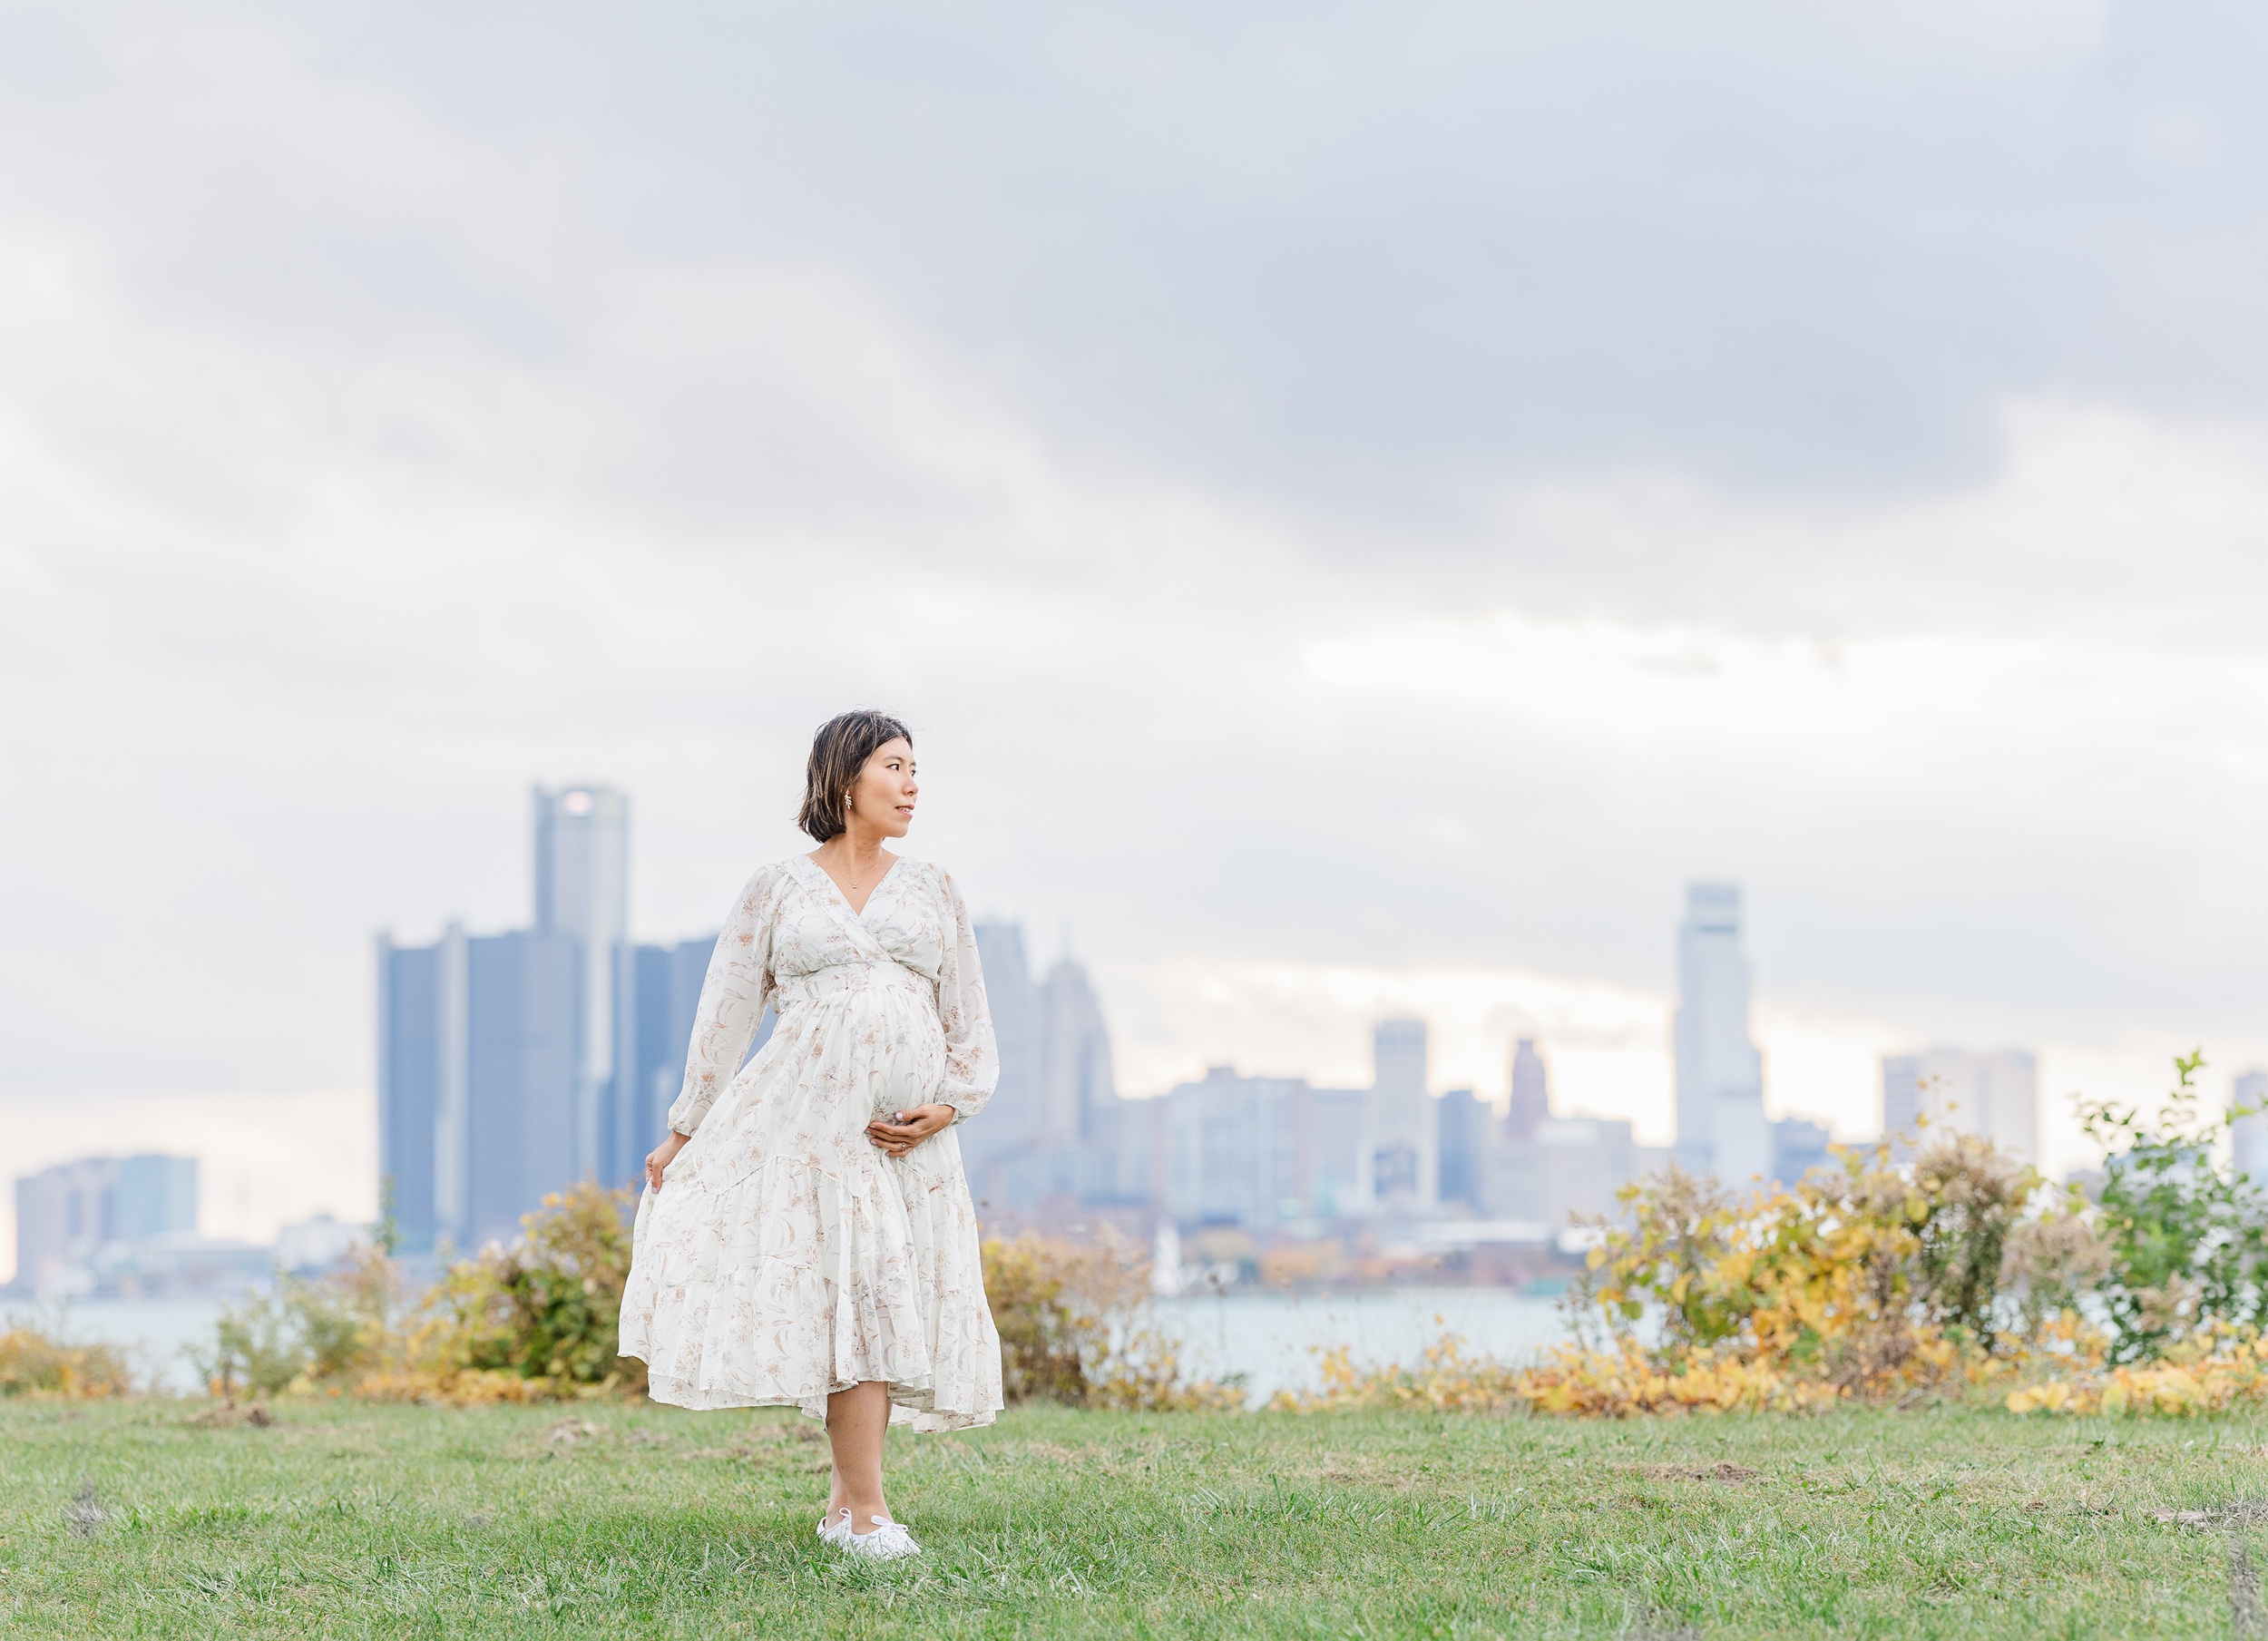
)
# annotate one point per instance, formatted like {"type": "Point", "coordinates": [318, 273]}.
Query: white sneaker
{"type": "Point", "coordinates": [887, 1542]}
{"type": "Point", "coordinates": [835, 1528]}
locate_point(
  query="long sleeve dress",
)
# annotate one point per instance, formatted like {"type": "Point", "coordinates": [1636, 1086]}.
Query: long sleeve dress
{"type": "Point", "coordinates": [785, 1256]}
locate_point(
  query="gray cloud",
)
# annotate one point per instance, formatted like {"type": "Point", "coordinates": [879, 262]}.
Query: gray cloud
{"type": "Point", "coordinates": [1815, 447]}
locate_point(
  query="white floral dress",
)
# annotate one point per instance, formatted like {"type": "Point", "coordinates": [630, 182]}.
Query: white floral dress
{"type": "Point", "coordinates": [785, 1256]}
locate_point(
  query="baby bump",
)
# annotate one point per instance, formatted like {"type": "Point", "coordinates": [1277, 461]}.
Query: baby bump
{"type": "Point", "coordinates": [835, 1062]}
{"type": "Point", "coordinates": [872, 1047]}
{"type": "Point", "coordinates": [905, 1070]}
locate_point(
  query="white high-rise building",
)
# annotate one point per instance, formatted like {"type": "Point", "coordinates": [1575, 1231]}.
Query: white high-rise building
{"type": "Point", "coordinates": [1403, 1165]}
{"type": "Point", "coordinates": [1994, 1094]}
{"type": "Point", "coordinates": [1721, 1125]}
{"type": "Point", "coordinates": [1530, 1100]}
{"type": "Point", "coordinates": [583, 891]}
{"type": "Point", "coordinates": [2248, 1129]}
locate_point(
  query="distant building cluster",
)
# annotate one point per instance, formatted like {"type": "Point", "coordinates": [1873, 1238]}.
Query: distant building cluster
{"type": "Point", "coordinates": [511, 1065]}
{"type": "Point", "coordinates": [1994, 1095]}
{"type": "Point", "coordinates": [126, 1227]}
{"type": "Point", "coordinates": [1268, 1156]}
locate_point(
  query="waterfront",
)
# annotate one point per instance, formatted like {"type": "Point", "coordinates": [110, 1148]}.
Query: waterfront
{"type": "Point", "coordinates": [153, 1330]}
{"type": "Point", "coordinates": [1275, 1339]}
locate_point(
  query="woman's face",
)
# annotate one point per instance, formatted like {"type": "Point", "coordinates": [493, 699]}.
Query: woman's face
{"type": "Point", "coordinates": [882, 795]}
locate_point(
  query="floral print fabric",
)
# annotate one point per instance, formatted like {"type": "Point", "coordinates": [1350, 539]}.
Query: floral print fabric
{"type": "Point", "coordinates": [785, 1257]}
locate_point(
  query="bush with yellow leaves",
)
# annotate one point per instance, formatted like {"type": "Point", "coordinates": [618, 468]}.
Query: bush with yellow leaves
{"type": "Point", "coordinates": [1868, 1282]}
{"type": "Point", "coordinates": [35, 1362]}
{"type": "Point", "coordinates": [1448, 1381]}
{"type": "Point", "coordinates": [2213, 1370]}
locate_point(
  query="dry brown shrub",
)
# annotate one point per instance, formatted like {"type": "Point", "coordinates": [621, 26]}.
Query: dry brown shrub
{"type": "Point", "coordinates": [1075, 1327]}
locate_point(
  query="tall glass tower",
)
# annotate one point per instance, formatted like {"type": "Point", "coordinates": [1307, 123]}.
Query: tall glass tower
{"type": "Point", "coordinates": [583, 892]}
{"type": "Point", "coordinates": [1721, 1126]}
{"type": "Point", "coordinates": [1402, 1140]}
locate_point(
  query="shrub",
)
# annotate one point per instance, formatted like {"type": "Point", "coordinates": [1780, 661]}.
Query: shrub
{"type": "Point", "coordinates": [533, 1321]}
{"type": "Point", "coordinates": [2214, 1370]}
{"type": "Point", "coordinates": [1075, 1327]}
{"type": "Point", "coordinates": [34, 1363]}
{"type": "Point", "coordinates": [327, 1332]}
{"type": "Point", "coordinates": [1973, 1198]}
{"type": "Point", "coordinates": [539, 1319]}
{"type": "Point", "coordinates": [1869, 1282]}
{"type": "Point", "coordinates": [2185, 1241]}
{"type": "Point", "coordinates": [1447, 1381]}
{"type": "Point", "coordinates": [1045, 1332]}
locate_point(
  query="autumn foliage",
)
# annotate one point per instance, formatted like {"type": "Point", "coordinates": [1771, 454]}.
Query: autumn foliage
{"type": "Point", "coordinates": [1956, 1273]}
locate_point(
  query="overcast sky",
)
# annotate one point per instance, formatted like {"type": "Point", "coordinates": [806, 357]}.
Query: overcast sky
{"type": "Point", "coordinates": [1360, 503]}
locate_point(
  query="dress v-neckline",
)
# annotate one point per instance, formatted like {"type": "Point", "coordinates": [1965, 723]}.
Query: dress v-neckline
{"type": "Point", "coordinates": [858, 914]}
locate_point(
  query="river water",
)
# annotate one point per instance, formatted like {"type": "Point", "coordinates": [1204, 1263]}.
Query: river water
{"type": "Point", "coordinates": [1275, 1339]}
{"type": "Point", "coordinates": [154, 1332]}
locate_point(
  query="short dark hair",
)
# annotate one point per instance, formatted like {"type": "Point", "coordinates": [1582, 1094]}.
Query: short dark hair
{"type": "Point", "coordinates": [838, 752]}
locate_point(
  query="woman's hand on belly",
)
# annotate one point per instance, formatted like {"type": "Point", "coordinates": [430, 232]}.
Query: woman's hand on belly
{"type": "Point", "coordinates": [896, 1139]}
{"type": "Point", "coordinates": [662, 1156]}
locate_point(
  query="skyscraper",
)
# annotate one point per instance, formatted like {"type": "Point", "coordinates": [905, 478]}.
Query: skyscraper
{"type": "Point", "coordinates": [1531, 1090]}
{"type": "Point", "coordinates": [524, 1072]}
{"type": "Point", "coordinates": [409, 1088]}
{"type": "Point", "coordinates": [1403, 1159]}
{"type": "Point", "coordinates": [1234, 1148]}
{"type": "Point", "coordinates": [1076, 1075]}
{"type": "Point", "coordinates": [1721, 1126]}
{"type": "Point", "coordinates": [480, 1042]}
{"type": "Point", "coordinates": [1055, 1128]}
{"type": "Point", "coordinates": [1460, 1122]}
{"type": "Point", "coordinates": [1994, 1094]}
{"type": "Point", "coordinates": [1013, 1118]}
{"type": "Point", "coordinates": [583, 893]}
{"type": "Point", "coordinates": [501, 1058]}
{"type": "Point", "coordinates": [658, 993]}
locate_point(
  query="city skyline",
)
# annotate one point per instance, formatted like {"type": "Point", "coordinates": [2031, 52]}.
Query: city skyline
{"type": "Point", "coordinates": [1060, 1131]}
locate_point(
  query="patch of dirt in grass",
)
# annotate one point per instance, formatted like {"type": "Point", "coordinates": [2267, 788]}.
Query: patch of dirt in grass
{"type": "Point", "coordinates": [1662, 1626]}
{"type": "Point", "coordinates": [775, 1447]}
{"type": "Point", "coordinates": [2244, 1512]}
{"type": "Point", "coordinates": [85, 1512]}
{"type": "Point", "coordinates": [1393, 1472]}
{"type": "Point", "coordinates": [2247, 1615]}
{"type": "Point", "coordinates": [232, 1417]}
{"type": "Point", "coordinates": [1723, 1469]}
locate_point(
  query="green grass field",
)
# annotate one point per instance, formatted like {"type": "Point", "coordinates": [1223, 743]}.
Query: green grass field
{"type": "Point", "coordinates": [344, 1519]}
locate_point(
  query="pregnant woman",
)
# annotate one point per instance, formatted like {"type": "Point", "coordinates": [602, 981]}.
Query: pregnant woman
{"type": "Point", "coordinates": [807, 1237]}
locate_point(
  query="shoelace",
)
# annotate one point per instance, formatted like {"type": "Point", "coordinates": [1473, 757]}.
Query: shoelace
{"type": "Point", "coordinates": [889, 1539]}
